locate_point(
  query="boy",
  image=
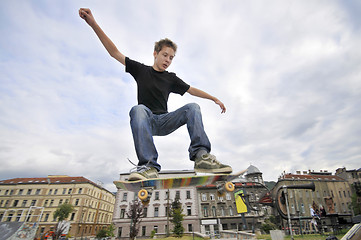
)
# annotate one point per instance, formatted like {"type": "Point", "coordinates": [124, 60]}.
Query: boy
{"type": "Point", "coordinates": [151, 117]}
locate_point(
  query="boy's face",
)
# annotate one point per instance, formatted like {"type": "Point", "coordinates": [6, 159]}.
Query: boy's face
{"type": "Point", "coordinates": [163, 59]}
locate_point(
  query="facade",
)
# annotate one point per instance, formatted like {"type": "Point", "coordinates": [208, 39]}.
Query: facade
{"type": "Point", "coordinates": [155, 212]}
{"type": "Point", "coordinates": [205, 211]}
{"type": "Point", "coordinates": [332, 193]}
{"type": "Point", "coordinates": [219, 213]}
{"type": "Point", "coordinates": [93, 205]}
{"type": "Point", "coordinates": [353, 177]}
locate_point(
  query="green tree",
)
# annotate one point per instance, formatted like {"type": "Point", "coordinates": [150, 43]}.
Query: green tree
{"type": "Point", "coordinates": [177, 217]}
{"type": "Point", "coordinates": [61, 214]}
{"type": "Point", "coordinates": [355, 205]}
{"type": "Point", "coordinates": [135, 214]}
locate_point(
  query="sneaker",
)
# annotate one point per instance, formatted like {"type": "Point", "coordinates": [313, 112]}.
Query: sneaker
{"type": "Point", "coordinates": [143, 173]}
{"type": "Point", "coordinates": [208, 164]}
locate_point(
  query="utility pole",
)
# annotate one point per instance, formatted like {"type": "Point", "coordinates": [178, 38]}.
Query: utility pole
{"type": "Point", "coordinates": [167, 213]}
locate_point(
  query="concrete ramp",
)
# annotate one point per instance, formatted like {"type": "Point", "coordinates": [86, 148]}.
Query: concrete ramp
{"type": "Point", "coordinates": [7, 229]}
{"type": "Point", "coordinates": [18, 230]}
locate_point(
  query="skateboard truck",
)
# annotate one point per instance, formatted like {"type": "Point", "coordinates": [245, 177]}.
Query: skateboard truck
{"type": "Point", "coordinates": [145, 194]}
{"type": "Point", "coordinates": [222, 187]}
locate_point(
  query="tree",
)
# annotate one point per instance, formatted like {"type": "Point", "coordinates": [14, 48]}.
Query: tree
{"type": "Point", "coordinates": [61, 214]}
{"type": "Point", "coordinates": [135, 213]}
{"type": "Point", "coordinates": [177, 217]}
{"type": "Point", "coordinates": [106, 232]}
{"type": "Point", "coordinates": [355, 205]}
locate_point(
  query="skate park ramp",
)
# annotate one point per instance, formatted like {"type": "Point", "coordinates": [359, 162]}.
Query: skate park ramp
{"type": "Point", "coordinates": [7, 229]}
{"type": "Point", "coordinates": [18, 230]}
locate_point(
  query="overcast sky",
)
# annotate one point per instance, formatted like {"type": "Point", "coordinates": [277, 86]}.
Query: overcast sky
{"type": "Point", "coordinates": [288, 72]}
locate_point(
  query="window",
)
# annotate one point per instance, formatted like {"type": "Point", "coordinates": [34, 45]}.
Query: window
{"type": "Point", "coordinates": [211, 197]}
{"type": "Point", "coordinates": [55, 191]}
{"type": "Point", "coordinates": [144, 229]}
{"type": "Point", "coordinates": [205, 211]}
{"type": "Point", "coordinates": [177, 194]}
{"type": "Point", "coordinates": [60, 201]}
{"type": "Point", "coordinates": [70, 191]}
{"type": "Point", "coordinates": [46, 217]}
{"type": "Point", "coordinates": [72, 216]}
{"type": "Point", "coordinates": [156, 196]}
{"type": "Point", "coordinates": [9, 217]}
{"type": "Point", "coordinates": [20, 191]}
{"type": "Point", "coordinates": [11, 191]}
{"type": "Point", "coordinates": [46, 203]}
{"type": "Point", "coordinates": [204, 197]}
{"type": "Point", "coordinates": [24, 203]}
{"type": "Point", "coordinates": [51, 202]}
{"type": "Point", "coordinates": [228, 196]}
{"type": "Point", "coordinates": [37, 191]}
{"type": "Point", "coordinates": [64, 190]}
{"type": "Point", "coordinates": [156, 229]}
{"type": "Point", "coordinates": [15, 203]}
{"type": "Point", "coordinates": [33, 202]}
{"type": "Point", "coordinates": [119, 231]}
{"type": "Point", "coordinates": [122, 213]}
{"type": "Point", "coordinates": [190, 228]}
{"type": "Point", "coordinates": [125, 196]}
{"type": "Point", "coordinates": [214, 211]}
{"type": "Point", "coordinates": [189, 210]}
{"type": "Point", "coordinates": [18, 217]}
{"type": "Point", "coordinates": [50, 191]}
{"type": "Point", "coordinates": [145, 212]}
{"type": "Point", "coordinates": [156, 211]}
{"type": "Point", "coordinates": [166, 195]}
{"type": "Point", "coordinates": [80, 190]}
{"type": "Point", "coordinates": [29, 192]}
{"type": "Point", "coordinates": [230, 211]}
{"type": "Point", "coordinates": [76, 202]}
{"type": "Point", "coordinates": [222, 211]}
{"type": "Point", "coordinates": [6, 192]}
{"type": "Point", "coordinates": [188, 194]}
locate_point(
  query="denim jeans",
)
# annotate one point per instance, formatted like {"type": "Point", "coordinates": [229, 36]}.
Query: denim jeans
{"type": "Point", "coordinates": [145, 125]}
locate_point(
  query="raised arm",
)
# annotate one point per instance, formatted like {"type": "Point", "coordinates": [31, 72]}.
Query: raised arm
{"type": "Point", "coordinates": [199, 93]}
{"type": "Point", "coordinates": [87, 15]}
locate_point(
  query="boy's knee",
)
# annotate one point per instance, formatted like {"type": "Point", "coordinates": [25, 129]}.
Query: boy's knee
{"type": "Point", "coordinates": [194, 107]}
{"type": "Point", "coordinates": [138, 111]}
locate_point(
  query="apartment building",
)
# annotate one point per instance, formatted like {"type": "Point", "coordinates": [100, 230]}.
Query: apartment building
{"type": "Point", "coordinates": [205, 211]}
{"type": "Point", "coordinates": [353, 177]}
{"type": "Point", "coordinates": [219, 212]}
{"type": "Point", "coordinates": [93, 204]}
{"type": "Point", "coordinates": [155, 212]}
{"type": "Point", "coordinates": [332, 193]}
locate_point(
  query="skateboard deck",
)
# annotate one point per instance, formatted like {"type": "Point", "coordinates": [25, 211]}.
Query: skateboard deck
{"type": "Point", "coordinates": [176, 182]}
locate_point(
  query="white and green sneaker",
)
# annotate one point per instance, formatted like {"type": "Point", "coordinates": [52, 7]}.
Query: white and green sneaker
{"type": "Point", "coordinates": [208, 163]}
{"type": "Point", "coordinates": [143, 173]}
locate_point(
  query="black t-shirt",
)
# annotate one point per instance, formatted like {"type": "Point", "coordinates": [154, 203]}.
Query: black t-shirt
{"type": "Point", "coordinates": [153, 86]}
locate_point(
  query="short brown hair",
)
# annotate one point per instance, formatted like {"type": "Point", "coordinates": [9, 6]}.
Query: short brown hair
{"type": "Point", "coordinates": [164, 42]}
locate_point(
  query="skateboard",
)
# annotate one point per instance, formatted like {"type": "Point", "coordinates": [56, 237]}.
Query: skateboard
{"type": "Point", "coordinates": [145, 187]}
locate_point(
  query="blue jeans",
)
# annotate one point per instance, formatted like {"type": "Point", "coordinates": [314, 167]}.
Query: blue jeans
{"type": "Point", "coordinates": [145, 125]}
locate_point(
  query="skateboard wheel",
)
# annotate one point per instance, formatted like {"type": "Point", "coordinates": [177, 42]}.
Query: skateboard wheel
{"type": "Point", "coordinates": [143, 195]}
{"type": "Point", "coordinates": [229, 186]}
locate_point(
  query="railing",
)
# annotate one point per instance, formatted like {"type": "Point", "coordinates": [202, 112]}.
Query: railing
{"type": "Point", "coordinates": [239, 235]}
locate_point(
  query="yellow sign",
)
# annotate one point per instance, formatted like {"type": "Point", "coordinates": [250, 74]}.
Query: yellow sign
{"type": "Point", "coordinates": [240, 202]}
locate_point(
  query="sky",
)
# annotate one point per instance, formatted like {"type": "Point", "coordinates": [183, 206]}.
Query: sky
{"type": "Point", "coordinates": [287, 71]}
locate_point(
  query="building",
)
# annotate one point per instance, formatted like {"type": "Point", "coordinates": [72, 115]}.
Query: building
{"type": "Point", "coordinates": [219, 212]}
{"type": "Point", "coordinates": [353, 177]}
{"type": "Point", "coordinates": [332, 193]}
{"type": "Point", "coordinates": [93, 205]}
{"type": "Point", "coordinates": [205, 210]}
{"type": "Point", "coordinates": [155, 217]}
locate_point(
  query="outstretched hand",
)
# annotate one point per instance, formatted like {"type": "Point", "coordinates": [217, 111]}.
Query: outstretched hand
{"type": "Point", "coordinates": [87, 15]}
{"type": "Point", "coordinates": [221, 105]}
